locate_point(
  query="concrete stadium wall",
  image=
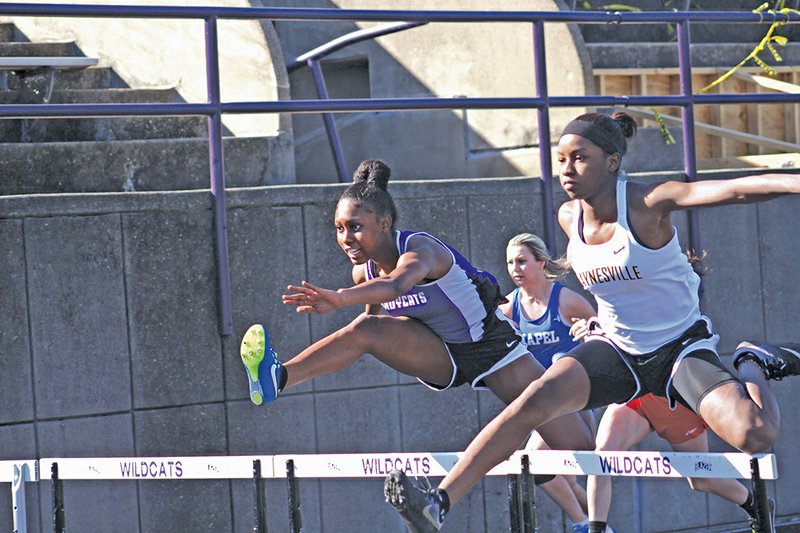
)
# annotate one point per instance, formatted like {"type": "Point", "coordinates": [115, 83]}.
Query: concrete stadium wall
{"type": "Point", "coordinates": [110, 346]}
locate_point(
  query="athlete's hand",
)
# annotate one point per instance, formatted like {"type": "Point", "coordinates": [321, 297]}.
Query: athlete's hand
{"type": "Point", "coordinates": [579, 328]}
{"type": "Point", "coordinates": [309, 298]}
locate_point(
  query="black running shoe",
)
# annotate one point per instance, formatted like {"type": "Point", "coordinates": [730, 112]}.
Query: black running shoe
{"type": "Point", "coordinates": [418, 503]}
{"type": "Point", "coordinates": [755, 519]}
{"type": "Point", "coordinates": [776, 362]}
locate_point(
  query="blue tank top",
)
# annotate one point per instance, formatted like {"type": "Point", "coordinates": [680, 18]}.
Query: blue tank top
{"type": "Point", "coordinates": [452, 306]}
{"type": "Point", "coordinates": [547, 335]}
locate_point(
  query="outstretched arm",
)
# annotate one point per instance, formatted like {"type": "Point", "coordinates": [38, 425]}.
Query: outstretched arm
{"type": "Point", "coordinates": [675, 195]}
{"type": "Point", "coordinates": [426, 260]}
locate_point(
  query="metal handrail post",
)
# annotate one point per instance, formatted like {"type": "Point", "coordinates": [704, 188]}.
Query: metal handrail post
{"type": "Point", "coordinates": [216, 164]}
{"type": "Point", "coordinates": [687, 113]}
{"type": "Point", "coordinates": [330, 124]}
{"type": "Point", "coordinates": [543, 112]}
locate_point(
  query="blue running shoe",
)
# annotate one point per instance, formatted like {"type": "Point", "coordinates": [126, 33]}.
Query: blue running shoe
{"type": "Point", "coordinates": [261, 364]}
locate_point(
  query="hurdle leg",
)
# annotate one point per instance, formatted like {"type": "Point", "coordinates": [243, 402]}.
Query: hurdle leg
{"type": "Point", "coordinates": [295, 521]}
{"type": "Point", "coordinates": [526, 493]}
{"type": "Point", "coordinates": [513, 502]}
{"type": "Point", "coordinates": [59, 525]}
{"type": "Point", "coordinates": [21, 475]}
{"type": "Point", "coordinates": [760, 497]}
{"type": "Point", "coordinates": [260, 525]}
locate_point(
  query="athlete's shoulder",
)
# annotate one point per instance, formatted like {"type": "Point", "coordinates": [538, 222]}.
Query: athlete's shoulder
{"type": "Point", "coordinates": [566, 213]}
{"type": "Point", "coordinates": [360, 273]}
{"type": "Point", "coordinates": [572, 305]}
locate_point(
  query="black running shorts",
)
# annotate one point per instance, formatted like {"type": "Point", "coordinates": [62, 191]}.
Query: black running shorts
{"type": "Point", "coordinates": [617, 376]}
{"type": "Point", "coordinates": [473, 361]}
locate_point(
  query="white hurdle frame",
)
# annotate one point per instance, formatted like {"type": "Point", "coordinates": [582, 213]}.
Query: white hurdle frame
{"type": "Point", "coordinates": [18, 473]}
{"type": "Point", "coordinates": [371, 465]}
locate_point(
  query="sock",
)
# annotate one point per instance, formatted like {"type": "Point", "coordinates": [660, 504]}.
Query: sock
{"type": "Point", "coordinates": [444, 498]}
{"type": "Point", "coordinates": [749, 504]}
{"type": "Point", "coordinates": [596, 526]}
{"type": "Point", "coordinates": [283, 378]}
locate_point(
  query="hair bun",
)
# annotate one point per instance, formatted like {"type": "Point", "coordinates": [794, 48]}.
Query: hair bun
{"type": "Point", "coordinates": [373, 172]}
{"type": "Point", "coordinates": [626, 123]}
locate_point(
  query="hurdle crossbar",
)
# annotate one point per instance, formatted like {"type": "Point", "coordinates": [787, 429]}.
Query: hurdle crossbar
{"type": "Point", "coordinates": [556, 462]}
{"type": "Point", "coordinates": [651, 464]}
{"type": "Point", "coordinates": [159, 468]}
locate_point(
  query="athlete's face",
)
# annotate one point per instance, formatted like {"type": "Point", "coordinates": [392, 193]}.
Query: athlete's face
{"type": "Point", "coordinates": [359, 231]}
{"type": "Point", "coordinates": [523, 267]}
{"type": "Point", "coordinates": [584, 167]}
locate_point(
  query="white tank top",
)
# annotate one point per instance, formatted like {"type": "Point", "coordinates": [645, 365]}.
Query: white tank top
{"type": "Point", "coordinates": [645, 297]}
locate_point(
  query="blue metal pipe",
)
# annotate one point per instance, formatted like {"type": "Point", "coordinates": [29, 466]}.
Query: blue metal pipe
{"type": "Point", "coordinates": [380, 104]}
{"type": "Point", "coordinates": [543, 113]}
{"type": "Point", "coordinates": [216, 167]}
{"type": "Point", "coordinates": [347, 40]}
{"type": "Point", "coordinates": [330, 124]}
{"type": "Point", "coordinates": [687, 113]}
{"type": "Point", "coordinates": [201, 12]}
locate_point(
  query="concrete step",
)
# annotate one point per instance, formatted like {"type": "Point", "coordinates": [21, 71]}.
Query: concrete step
{"type": "Point", "coordinates": [26, 49]}
{"type": "Point", "coordinates": [665, 55]}
{"type": "Point", "coordinates": [175, 164]}
{"type": "Point", "coordinates": [699, 32]}
{"type": "Point", "coordinates": [87, 78]}
{"type": "Point", "coordinates": [9, 33]}
{"type": "Point", "coordinates": [101, 129]}
{"type": "Point", "coordinates": [96, 96]}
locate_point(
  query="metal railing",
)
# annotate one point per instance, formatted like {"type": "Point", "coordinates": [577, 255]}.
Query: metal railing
{"type": "Point", "coordinates": [542, 102]}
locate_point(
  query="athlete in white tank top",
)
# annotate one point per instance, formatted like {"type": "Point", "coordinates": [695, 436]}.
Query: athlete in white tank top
{"type": "Point", "coordinates": [645, 297]}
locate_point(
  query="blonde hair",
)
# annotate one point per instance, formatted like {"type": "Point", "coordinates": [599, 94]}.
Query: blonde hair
{"type": "Point", "coordinates": [554, 269]}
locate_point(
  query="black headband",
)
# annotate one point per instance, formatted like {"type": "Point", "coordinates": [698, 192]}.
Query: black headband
{"type": "Point", "coordinates": [609, 139]}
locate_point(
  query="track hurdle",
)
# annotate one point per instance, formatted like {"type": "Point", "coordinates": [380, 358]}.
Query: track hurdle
{"type": "Point", "coordinates": [378, 465]}
{"type": "Point", "coordinates": [257, 468]}
{"type": "Point", "coordinates": [523, 463]}
{"type": "Point", "coordinates": [518, 470]}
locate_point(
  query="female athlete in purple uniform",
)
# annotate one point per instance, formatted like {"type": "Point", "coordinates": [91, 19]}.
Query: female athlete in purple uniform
{"type": "Point", "coordinates": [441, 322]}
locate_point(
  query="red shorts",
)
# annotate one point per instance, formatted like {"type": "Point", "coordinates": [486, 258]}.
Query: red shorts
{"type": "Point", "coordinates": [676, 426]}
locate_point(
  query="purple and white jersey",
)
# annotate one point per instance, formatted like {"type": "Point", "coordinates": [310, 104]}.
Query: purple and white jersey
{"type": "Point", "coordinates": [451, 305]}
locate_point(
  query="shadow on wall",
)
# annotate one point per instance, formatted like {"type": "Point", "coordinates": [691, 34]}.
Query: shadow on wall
{"type": "Point", "coordinates": [417, 144]}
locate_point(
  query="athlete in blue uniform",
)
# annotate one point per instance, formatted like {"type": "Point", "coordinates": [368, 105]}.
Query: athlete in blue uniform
{"type": "Point", "coordinates": [544, 311]}
{"type": "Point", "coordinates": [441, 322]}
{"type": "Point", "coordinates": [652, 337]}
{"type": "Point", "coordinates": [547, 336]}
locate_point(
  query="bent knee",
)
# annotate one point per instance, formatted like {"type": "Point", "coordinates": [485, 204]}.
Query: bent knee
{"type": "Point", "coordinates": [364, 330]}
{"type": "Point", "coordinates": [759, 439]}
{"type": "Point", "coordinates": [755, 437]}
